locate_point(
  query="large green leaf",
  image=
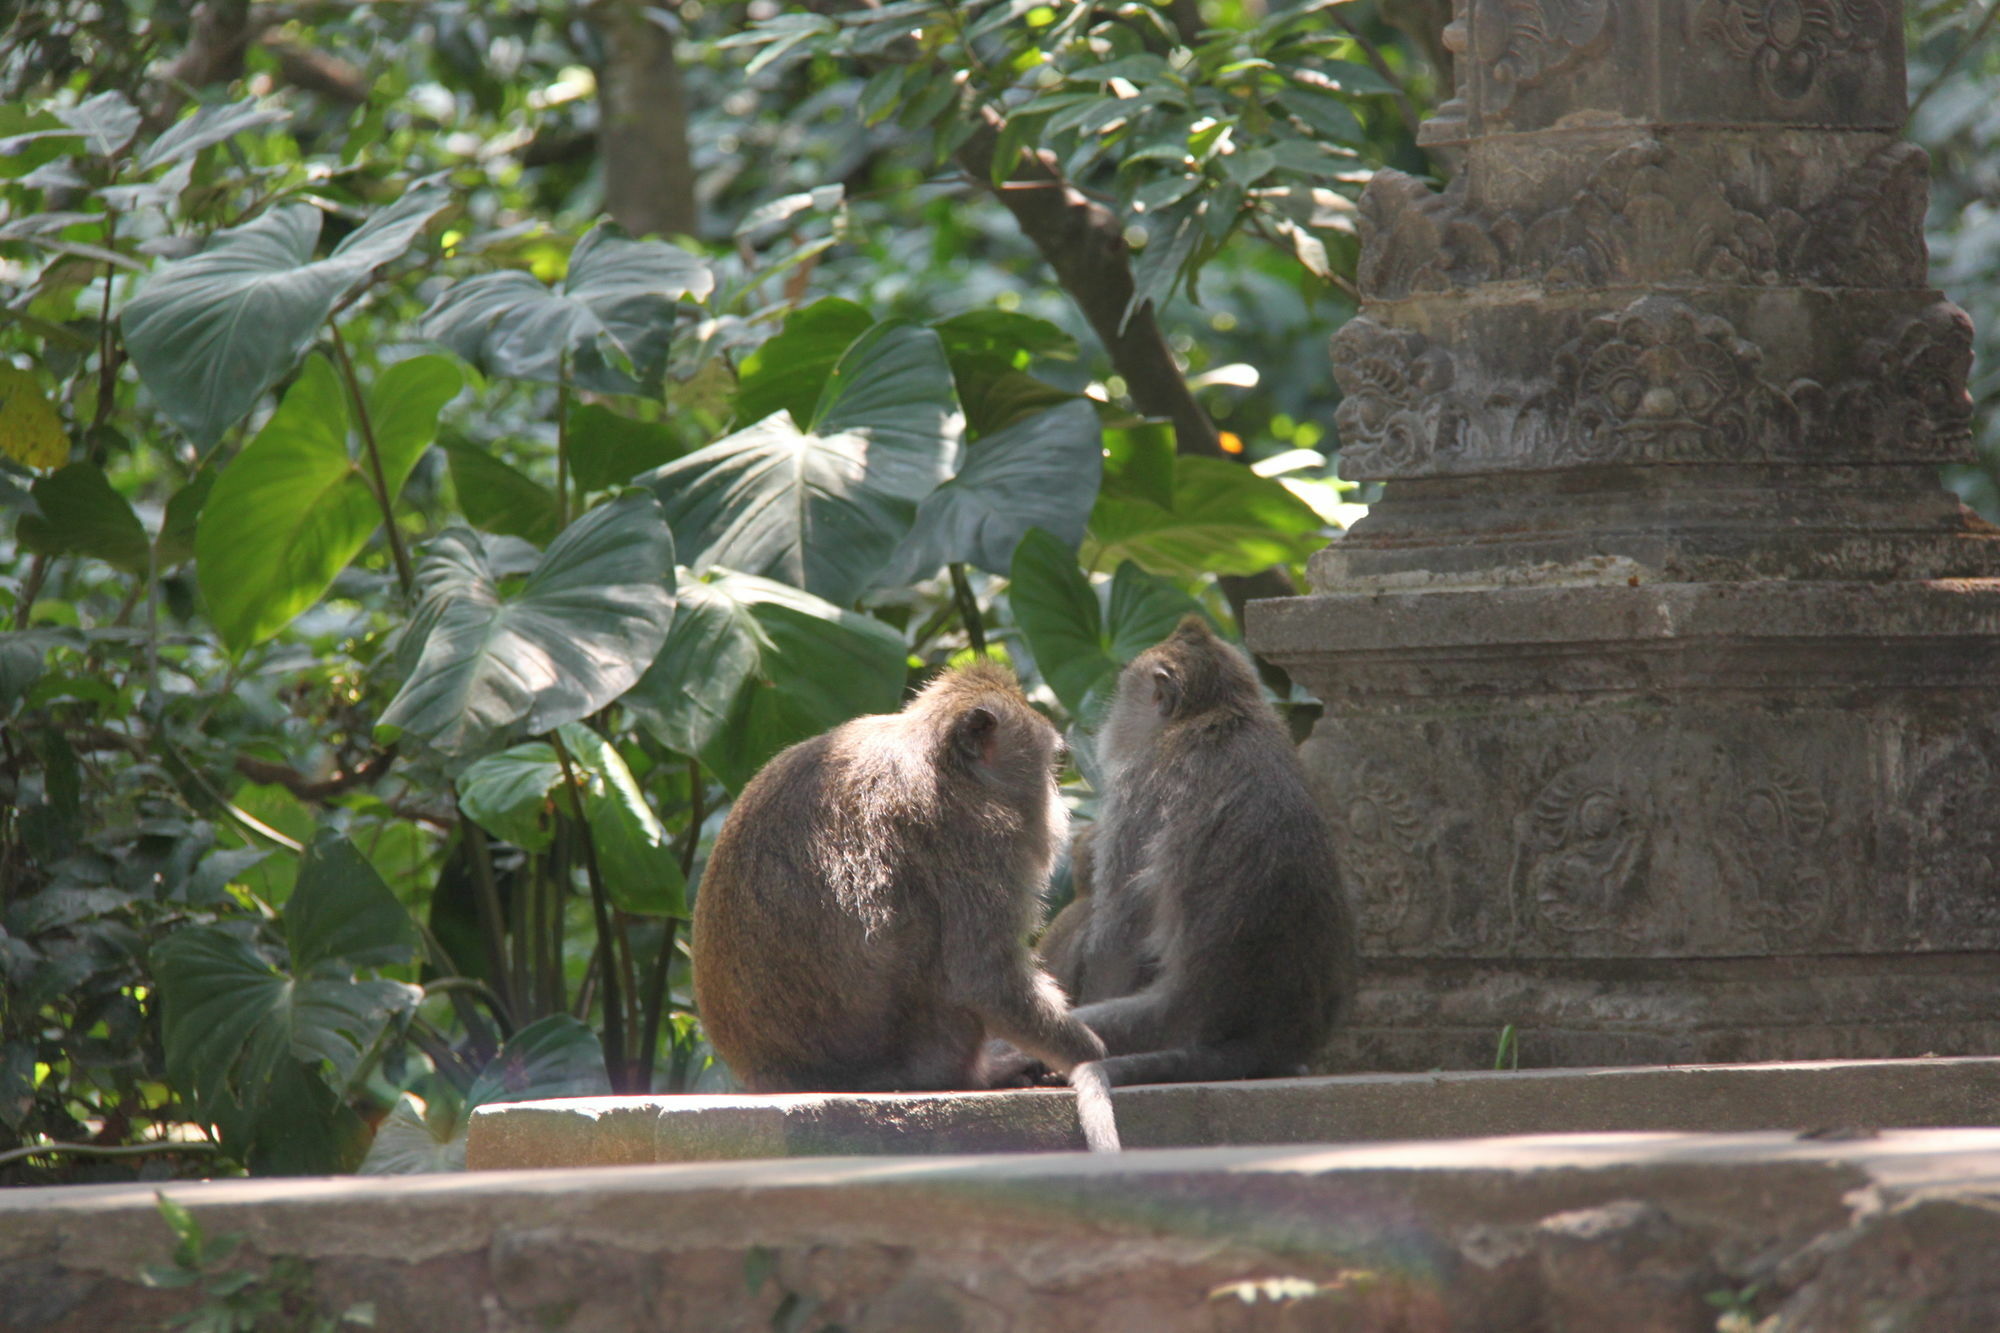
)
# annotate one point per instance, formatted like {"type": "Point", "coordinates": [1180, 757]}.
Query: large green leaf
{"type": "Point", "coordinates": [753, 665]}
{"type": "Point", "coordinates": [211, 332]}
{"type": "Point", "coordinates": [498, 497]}
{"type": "Point", "coordinates": [607, 449]}
{"type": "Point", "coordinates": [208, 125]}
{"type": "Point", "coordinates": [1080, 644]}
{"type": "Point", "coordinates": [1040, 472]}
{"type": "Point", "coordinates": [341, 912]}
{"type": "Point", "coordinates": [289, 513]}
{"type": "Point", "coordinates": [82, 515]}
{"type": "Point", "coordinates": [236, 1019]}
{"type": "Point", "coordinates": [555, 1056]}
{"type": "Point", "coordinates": [822, 508]}
{"type": "Point", "coordinates": [510, 795]}
{"type": "Point", "coordinates": [634, 853]}
{"type": "Point", "coordinates": [581, 629]}
{"type": "Point", "coordinates": [610, 319]}
{"type": "Point", "coordinates": [1225, 519]}
{"type": "Point", "coordinates": [551, 1057]}
{"type": "Point", "coordinates": [788, 372]}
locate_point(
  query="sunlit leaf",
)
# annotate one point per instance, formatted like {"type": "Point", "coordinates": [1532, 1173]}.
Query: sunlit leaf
{"type": "Point", "coordinates": [1224, 519]}
{"type": "Point", "coordinates": [31, 432]}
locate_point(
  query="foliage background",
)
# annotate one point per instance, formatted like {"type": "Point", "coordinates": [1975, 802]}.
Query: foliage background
{"type": "Point", "coordinates": [391, 590]}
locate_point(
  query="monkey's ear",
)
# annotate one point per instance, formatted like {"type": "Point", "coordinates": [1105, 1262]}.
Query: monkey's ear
{"type": "Point", "coordinates": [1166, 691]}
{"type": "Point", "coordinates": [973, 735]}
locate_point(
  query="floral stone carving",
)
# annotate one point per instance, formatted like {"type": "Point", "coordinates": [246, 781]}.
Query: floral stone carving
{"type": "Point", "coordinates": [1789, 42]}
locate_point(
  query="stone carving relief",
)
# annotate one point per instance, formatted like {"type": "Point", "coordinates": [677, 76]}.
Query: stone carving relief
{"type": "Point", "coordinates": [1908, 395]}
{"type": "Point", "coordinates": [1950, 825]}
{"type": "Point", "coordinates": [1635, 220]}
{"type": "Point", "coordinates": [1789, 42]}
{"type": "Point", "coordinates": [1524, 42]}
{"type": "Point", "coordinates": [1388, 841]}
{"type": "Point", "coordinates": [1583, 856]}
{"type": "Point", "coordinates": [1610, 853]}
{"type": "Point", "coordinates": [1657, 381]}
{"type": "Point", "coordinates": [1770, 857]}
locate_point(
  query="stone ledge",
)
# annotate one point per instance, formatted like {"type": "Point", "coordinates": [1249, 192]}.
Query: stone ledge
{"type": "Point", "coordinates": [1621, 1231]}
{"type": "Point", "coordinates": [1352, 1108]}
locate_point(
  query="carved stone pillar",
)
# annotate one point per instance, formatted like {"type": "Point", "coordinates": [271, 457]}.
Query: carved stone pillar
{"type": "Point", "coordinates": [1663, 684]}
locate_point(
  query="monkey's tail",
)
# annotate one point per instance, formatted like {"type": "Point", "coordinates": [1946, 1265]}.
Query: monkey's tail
{"type": "Point", "coordinates": [1093, 1107]}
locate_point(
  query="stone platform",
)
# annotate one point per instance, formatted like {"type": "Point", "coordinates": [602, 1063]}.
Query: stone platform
{"type": "Point", "coordinates": [1641, 1233]}
{"type": "Point", "coordinates": [1816, 1096]}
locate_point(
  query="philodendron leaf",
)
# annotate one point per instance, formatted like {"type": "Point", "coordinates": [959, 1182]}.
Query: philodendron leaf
{"type": "Point", "coordinates": [551, 1057]}
{"type": "Point", "coordinates": [210, 333]}
{"type": "Point", "coordinates": [209, 125]}
{"type": "Point", "coordinates": [634, 853]}
{"type": "Point", "coordinates": [238, 1021]}
{"type": "Point", "coordinates": [1040, 472]}
{"type": "Point", "coordinates": [498, 497]}
{"type": "Point", "coordinates": [753, 665]}
{"type": "Point", "coordinates": [823, 507]}
{"type": "Point", "coordinates": [1079, 644]}
{"type": "Point", "coordinates": [508, 794]}
{"type": "Point", "coordinates": [582, 628]}
{"type": "Point", "coordinates": [82, 515]}
{"type": "Point", "coordinates": [341, 912]}
{"type": "Point", "coordinates": [1224, 519]}
{"type": "Point", "coordinates": [289, 512]}
{"type": "Point", "coordinates": [511, 795]}
{"type": "Point", "coordinates": [107, 122]}
{"type": "Point", "coordinates": [406, 1143]}
{"type": "Point", "coordinates": [610, 320]}
{"type": "Point", "coordinates": [788, 372]}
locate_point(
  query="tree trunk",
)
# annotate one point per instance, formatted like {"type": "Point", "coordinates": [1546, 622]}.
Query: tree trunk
{"type": "Point", "coordinates": [642, 123]}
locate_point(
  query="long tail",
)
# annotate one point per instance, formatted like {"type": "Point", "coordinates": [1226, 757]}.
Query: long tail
{"type": "Point", "coordinates": [1093, 1107]}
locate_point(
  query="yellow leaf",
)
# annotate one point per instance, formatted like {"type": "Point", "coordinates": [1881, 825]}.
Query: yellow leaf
{"type": "Point", "coordinates": [30, 430]}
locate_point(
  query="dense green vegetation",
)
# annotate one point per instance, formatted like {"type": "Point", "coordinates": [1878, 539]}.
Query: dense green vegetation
{"type": "Point", "coordinates": [404, 564]}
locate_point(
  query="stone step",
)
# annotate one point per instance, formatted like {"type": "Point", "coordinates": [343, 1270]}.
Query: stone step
{"type": "Point", "coordinates": [1639, 1233]}
{"type": "Point", "coordinates": [1799, 1096]}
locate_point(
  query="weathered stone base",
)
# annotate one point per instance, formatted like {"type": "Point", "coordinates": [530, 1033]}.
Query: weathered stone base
{"type": "Point", "coordinates": [1417, 1014]}
{"type": "Point", "coordinates": [1656, 822]}
{"type": "Point", "coordinates": [1635, 1233]}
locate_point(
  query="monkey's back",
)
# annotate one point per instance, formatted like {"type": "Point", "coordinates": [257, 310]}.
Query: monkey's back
{"type": "Point", "coordinates": [1260, 933]}
{"type": "Point", "coordinates": [814, 961]}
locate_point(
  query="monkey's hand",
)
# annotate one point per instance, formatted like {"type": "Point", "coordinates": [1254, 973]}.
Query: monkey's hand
{"type": "Point", "coordinates": [1001, 1065]}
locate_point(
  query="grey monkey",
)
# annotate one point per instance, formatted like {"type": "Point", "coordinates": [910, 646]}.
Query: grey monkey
{"type": "Point", "coordinates": [1210, 938]}
{"type": "Point", "coordinates": [862, 923]}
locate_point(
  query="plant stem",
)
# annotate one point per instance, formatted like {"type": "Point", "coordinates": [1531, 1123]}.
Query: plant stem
{"type": "Point", "coordinates": [107, 369]}
{"type": "Point", "coordinates": [968, 609]}
{"type": "Point", "coordinates": [562, 441]}
{"type": "Point", "coordinates": [31, 588]}
{"type": "Point", "coordinates": [379, 480]}
{"type": "Point", "coordinates": [492, 921]}
{"type": "Point", "coordinates": [600, 906]}
{"type": "Point", "coordinates": [656, 1003]}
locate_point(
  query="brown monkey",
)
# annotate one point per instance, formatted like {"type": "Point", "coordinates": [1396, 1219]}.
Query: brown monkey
{"type": "Point", "coordinates": [862, 923]}
{"type": "Point", "coordinates": [1210, 937]}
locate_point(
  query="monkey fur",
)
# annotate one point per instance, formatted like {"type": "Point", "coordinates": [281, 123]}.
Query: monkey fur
{"type": "Point", "coordinates": [862, 922]}
{"type": "Point", "coordinates": [1210, 937]}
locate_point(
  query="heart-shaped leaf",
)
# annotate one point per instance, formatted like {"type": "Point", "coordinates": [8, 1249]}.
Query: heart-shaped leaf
{"type": "Point", "coordinates": [1080, 645]}
{"type": "Point", "coordinates": [752, 666]}
{"type": "Point", "coordinates": [107, 122]}
{"type": "Point", "coordinates": [822, 508]}
{"type": "Point", "coordinates": [297, 505]}
{"type": "Point", "coordinates": [788, 372]}
{"type": "Point", "coordinates": [1040, 472]}
{"type": "Point", "coordinates": [209, 125]}
{"type": "Point", "coordinates": [610, 320]}
{"type": "Point", "coordinates": [236, 1018]}
{"type": "Point", "coordinates": [507, 794]}
{"type": "Point", "coordinates": [1225, 519]}
{"type": "Point", "coordinates": [498, 497]}
{"type": "Point", "coordinates": [82, 515]}
{"type": "Point", "coordinates": [210, 333]}
{"type": "Point", "coordinates": [582, 628]}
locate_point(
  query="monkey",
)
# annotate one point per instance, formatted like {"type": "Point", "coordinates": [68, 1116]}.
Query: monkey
{"type": "Point", "coordinates": [1210, 937]}
{"type": "Point", "coordinates": [862, 924]}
